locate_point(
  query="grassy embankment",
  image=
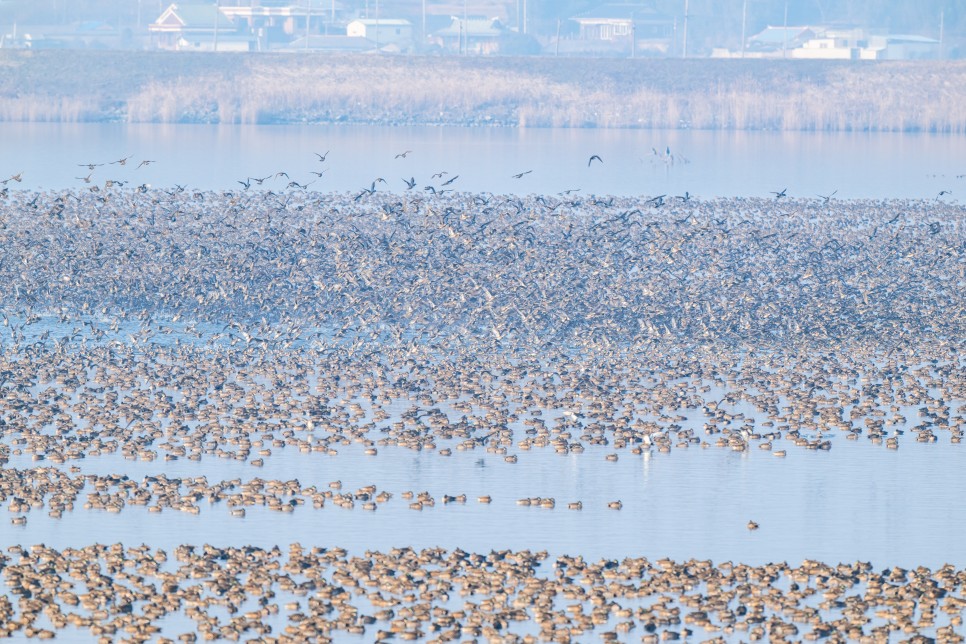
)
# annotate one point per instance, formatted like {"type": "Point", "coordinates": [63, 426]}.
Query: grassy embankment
{"type": "Point", "coordinates": [530, 92]}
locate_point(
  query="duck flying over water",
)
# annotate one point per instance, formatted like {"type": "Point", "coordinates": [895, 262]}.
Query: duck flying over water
{"type": "Point", "coordinates": [522, 174]}
{"type": "Point", "coordinates": [591, 159]}
{"type": "Point", "coordinates": [410, 183]}
{"type": "Point", "coordinates": [366, 191]}
{"type": "Point", "coordinates": [402, 155]}
{"type": "Point", "coordinates": [779, 195]}
{"type": "Point", "coordinates": [322, 156]}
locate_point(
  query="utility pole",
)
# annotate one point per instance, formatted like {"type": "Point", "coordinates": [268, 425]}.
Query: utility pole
{"type": "Point", "coordinates": [214, 46]}
{"type": "Point", "coordinates": [465, 37]}
{"type": "Point", "coordinates": [633, 36]}
{"type": "Point", "coordinates": [684, 45]}
{"type": "Point", "coordinates": [785, 32]}
{"type": "Point", "coordinates": [308, 21]}
{"type": "Point", "coordinates": [744, 19]}
{"type": "Point", "coordinates": [942, 16]}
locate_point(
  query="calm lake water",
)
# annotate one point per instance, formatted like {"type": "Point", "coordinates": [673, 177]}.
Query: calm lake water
{"type": "Point", "coordinates": [634, 162]}
{"type": "Point", "coordinates": [855, 502]}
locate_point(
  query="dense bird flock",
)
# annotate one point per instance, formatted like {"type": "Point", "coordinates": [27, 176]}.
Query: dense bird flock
{"type": "Point", "coordinates": [166, 325]}
{"type": "Point", "coordinates": [495, 271]}
{"type": "Point", "coordinates": [233, 594]}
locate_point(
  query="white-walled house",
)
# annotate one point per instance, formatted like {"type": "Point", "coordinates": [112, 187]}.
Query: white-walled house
{"type": "Point", "coordinates": [198, 27]}
{"type": "Point", "coordinates": [382, 32]}
{"type": "Point", "coordinates": [900, 47]}
{"type": "Point", "coordinates": [834, 43]}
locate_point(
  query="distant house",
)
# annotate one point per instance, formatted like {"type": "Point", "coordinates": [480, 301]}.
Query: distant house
{"type": "Point", "coordinates": [275, 22]}
{"type": "Point", "coordinates": [856, 43]}
{"type": "Point", "coordinates": [382, 32]}
{"type": "Point", "coordinates": [834, 43]}
{"type": "Point", "coordinates": [900, 47]}
{"type": "Point", "coordinates": [198, 27]}
{"type": "Point", "coordinates": [625, 27]}
{"type": "Point", "coordinates": [474, 35]}
{"type": "Point", "coordinates": [775, 40]}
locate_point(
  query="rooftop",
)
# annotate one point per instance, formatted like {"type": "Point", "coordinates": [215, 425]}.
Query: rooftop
{"type": "Point", "coordinates": [619, 11]}
{"type": "Point", "coordinates": [474, 26]}
{"type": "Point", "coordinates": [778, 35]}
{"type": "Point", "coordinates": [391, 22]}
{"type": "Point", "coordinates": [198, 16]}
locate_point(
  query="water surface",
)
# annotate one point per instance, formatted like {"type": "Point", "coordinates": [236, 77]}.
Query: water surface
{"type": "Point", "coordinates": [635, 162]}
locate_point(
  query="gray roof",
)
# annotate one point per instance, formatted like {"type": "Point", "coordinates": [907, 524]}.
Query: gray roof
{"type": "Point", "coordinates": [778, 35]}
{"type": "Point", "coordinates": [911, 38]}
{"type": "Point", "coordinates": [199, 16]}
{"type": "Point", "coordinates": [476, 27]}
{"type": "Point", "coordinates": [383, 22]}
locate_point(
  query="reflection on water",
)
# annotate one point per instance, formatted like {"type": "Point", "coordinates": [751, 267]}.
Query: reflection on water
{"type": "Point", "coordinates": [635, 162]}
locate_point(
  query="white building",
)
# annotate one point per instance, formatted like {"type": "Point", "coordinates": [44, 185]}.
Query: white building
{"type": "Point", "coordinates": [900, 47]}
{"type": "Point", "coordinates": [834, 43]}
{"type": "Point", "coordinates": [197, 27]}
{"type": "Point", "coordinates": [382, 32]}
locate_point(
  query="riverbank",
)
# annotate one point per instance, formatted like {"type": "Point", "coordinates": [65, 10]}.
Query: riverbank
{"type": "Point", "coordinates": [161, 87]}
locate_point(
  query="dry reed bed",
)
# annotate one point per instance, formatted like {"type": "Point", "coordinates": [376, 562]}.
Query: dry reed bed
{"type": "Point", "coordinates": [527, 92]}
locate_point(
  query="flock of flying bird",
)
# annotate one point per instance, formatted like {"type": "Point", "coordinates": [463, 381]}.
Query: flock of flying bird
{"type": "Point", "coordinates": [410, 183]}
{"type": "Point", "coordinates": [627, 234]}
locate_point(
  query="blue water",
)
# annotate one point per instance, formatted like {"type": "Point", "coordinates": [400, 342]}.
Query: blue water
{"type": "Point", "coordinates": [635, 162]}
{"type": "Point", "coordinates": [857, 501]}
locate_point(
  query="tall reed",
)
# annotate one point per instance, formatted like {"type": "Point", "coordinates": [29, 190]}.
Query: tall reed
{"type": "Point", "coordinates": [526, 92]}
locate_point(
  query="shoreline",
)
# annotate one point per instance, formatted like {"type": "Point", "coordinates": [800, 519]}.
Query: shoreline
{"type": "Point", "coordinates": [700, 94]}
